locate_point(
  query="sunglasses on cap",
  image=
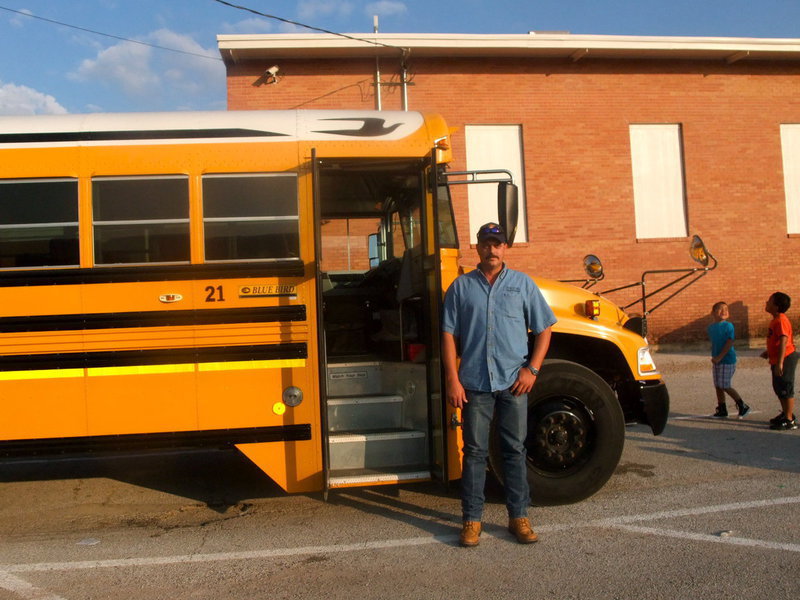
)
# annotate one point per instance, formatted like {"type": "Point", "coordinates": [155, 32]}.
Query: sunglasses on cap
{"type": "Point", "coordinates": [487, 229]}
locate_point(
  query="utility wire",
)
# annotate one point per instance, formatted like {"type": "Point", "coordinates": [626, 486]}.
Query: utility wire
{"type": "Point", "coordinates": [116, 37]}
{"type": "Point", "coordinates": [404, 51]}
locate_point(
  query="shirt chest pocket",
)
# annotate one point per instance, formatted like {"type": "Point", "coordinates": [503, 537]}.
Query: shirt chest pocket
{"type": "Point", "coordinates": [510, 306]}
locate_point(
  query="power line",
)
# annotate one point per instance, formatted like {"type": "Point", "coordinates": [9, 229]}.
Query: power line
{"type": "Point", "coordinates": [116, 37]}
{"type": "Point", "coordinates": [404, 51]}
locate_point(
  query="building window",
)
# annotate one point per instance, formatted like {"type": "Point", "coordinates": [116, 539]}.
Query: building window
{"type": "Point", "coordinates": [140, 220]}
{"type": "Point", "coordinates": [494, 147]}
{"type": "Point", "coordinates": [658, 186]}
{"type": "Point", "coordinates": [790, 145]}
{"type": "Point", "coordinates": [39, 223]}
{"type": "Point", "coordinates": [251, 217]}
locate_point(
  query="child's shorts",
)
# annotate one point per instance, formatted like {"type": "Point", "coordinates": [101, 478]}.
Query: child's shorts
{"type": "Point", "coordinates": [723, 375]}
{"type": "Point", "coordinates": [784, 384]}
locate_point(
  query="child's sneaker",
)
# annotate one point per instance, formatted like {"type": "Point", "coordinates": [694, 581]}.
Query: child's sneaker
{"type": "Point", "coordinates": [722, 411]}
{"type": "Point", "coordinates": [744, 409]}
{"type": "Point", "coordinates": [784, 424]}
{"type": "Point", "coordinates": [776, 419]}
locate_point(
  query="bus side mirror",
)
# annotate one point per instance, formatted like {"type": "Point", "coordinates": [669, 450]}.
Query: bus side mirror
{"type": "Point", "coordinates": [508, 209]}
{"type": "Point", "coordinates": [593, 267]}
{"type": "Point", "coordinates": [698, 251]}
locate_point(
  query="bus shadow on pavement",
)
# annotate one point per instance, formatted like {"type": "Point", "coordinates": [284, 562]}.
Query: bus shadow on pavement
{"type": "Point", "coordinates": [220, 480]}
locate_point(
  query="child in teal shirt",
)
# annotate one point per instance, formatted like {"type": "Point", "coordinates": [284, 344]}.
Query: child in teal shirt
{"type": "Point", "coordinates": [723, 357]}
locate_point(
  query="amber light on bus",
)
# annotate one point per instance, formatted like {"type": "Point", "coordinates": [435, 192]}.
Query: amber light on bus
{"type": "Point", "coordinates": [592, 308]}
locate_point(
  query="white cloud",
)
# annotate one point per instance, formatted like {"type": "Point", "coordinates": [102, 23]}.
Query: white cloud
{"type": "Point", "coordinates": [125, 65]}
{"type": "Point", "coordinates": [316, 9]}
{"type": "Point", "coordinates": [254, 25]}
{"type": "Point", "coordinates": [386, 8]}
{"type": "Point", "coordinates": [22, 100]}
{"type": "Point", "coordinates": [18, 20]}
{"type": "Point", "coordinates": [154, 77]}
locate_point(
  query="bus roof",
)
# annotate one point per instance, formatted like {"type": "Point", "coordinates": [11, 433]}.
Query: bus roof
{"type": "Point", "coordinates": [288, 125]}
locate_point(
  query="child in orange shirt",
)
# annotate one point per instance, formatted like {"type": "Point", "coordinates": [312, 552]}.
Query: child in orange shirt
{"type": "Point", "coordinates": [782, 359]}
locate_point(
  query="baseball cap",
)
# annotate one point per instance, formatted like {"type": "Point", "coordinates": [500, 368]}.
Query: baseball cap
{"type": "Point", "coordinates": [492, 230]}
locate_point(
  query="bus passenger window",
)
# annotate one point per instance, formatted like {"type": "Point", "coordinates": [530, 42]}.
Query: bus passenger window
{"type": "Point", "coordinates": [251, 216]}
{"type": "Point", "coordinates": [141, 219]}
{"type": "Point", "coordinates": [39, 223]}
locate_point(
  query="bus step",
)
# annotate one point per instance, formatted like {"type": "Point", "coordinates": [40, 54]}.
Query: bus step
{"type": "Point", "coordinates": [362, 477]}
{"type": "Point", "coordinates": [355, 378]}
{"type": "Point", "coordinates": [365, 412]}
{"type": "Point", "coordinates": [377, 449]}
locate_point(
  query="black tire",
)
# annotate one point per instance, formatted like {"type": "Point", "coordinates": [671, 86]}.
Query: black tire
{"type": "Point", "coordinates": [576, 431]}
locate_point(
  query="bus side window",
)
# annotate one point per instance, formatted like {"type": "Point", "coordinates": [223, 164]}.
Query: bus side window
{"type": "Point", "coordinates": [39, 223]}
{"type": "Point", "coordinates": [141, 219]}
{"type": "Point", "coordinates": [251, 216]}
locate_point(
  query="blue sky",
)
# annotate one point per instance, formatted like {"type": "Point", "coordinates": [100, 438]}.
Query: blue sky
{"type": "Point", "coordinates": [51, 68]}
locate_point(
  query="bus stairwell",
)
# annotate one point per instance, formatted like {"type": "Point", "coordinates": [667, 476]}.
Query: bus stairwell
{"type": "Point", "coordinates": [373, 319]}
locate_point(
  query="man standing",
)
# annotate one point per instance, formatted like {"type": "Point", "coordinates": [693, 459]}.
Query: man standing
{"type": "Point", "coordinates": [487, 315]}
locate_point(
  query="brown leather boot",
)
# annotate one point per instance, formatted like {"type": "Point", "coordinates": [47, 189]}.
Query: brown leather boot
{"type": "Point", "coordinates": [521, 528]}
{"type": "Point", "coordinates": [470, 534]}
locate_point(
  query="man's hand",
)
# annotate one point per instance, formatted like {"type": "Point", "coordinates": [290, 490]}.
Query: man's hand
{"type": "Point", "coordinates": [524, 382]}
{"type": "Point", "coordinates": [456, 395]}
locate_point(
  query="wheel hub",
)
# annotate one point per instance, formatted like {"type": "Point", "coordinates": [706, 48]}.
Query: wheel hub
{"type": "Point", "coordinates": [560, 437]}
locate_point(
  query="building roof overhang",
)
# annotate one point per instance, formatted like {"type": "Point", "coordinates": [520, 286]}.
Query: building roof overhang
{"type": "Point", "coordinates": [241, 48]}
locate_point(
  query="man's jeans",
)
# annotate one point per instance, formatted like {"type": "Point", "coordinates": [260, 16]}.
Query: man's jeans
{"type": "Point", "coordinates": [512, 427]}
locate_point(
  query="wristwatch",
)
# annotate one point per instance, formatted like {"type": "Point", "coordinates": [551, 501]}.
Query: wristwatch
{"type": "Point", "coordinates": [533, 370]}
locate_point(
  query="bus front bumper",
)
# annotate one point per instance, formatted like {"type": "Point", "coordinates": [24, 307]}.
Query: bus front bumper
{"type": "Point", "coordinates": [654, 404]}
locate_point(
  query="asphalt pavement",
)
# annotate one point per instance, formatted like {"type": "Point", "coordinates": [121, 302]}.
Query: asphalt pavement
{"type": "Point", "coordinates": [708, 509]}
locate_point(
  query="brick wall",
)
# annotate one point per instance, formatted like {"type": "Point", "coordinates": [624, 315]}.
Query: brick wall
{"type": "Point", "coordinates": [575, 119]}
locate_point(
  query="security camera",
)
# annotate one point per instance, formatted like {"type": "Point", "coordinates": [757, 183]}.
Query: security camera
{"type": "Point", "coordinates": [273, 70]}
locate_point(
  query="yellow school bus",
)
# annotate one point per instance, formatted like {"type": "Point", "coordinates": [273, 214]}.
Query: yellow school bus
{"type": "Point", "coordinates": [271, 281]}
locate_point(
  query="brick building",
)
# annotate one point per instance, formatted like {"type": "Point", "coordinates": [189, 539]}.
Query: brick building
{"type": "Point", "coordinates": [625, 146]}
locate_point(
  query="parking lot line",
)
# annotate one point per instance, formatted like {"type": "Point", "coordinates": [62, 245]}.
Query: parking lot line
{"type": "Point", "coordinates": [23, 589]}
{"type": "Point", "coordinates": [704, 537]}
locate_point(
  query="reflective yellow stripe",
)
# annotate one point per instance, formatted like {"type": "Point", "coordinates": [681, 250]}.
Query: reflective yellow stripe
{"type": "Point", "coordinates": [152, 369]}
{"type": "Point", "coordinates": [139, 370]}
{"type": "Point", "coordinates": [43, 374]}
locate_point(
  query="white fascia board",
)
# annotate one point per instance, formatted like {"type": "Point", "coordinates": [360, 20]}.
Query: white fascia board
{"type": "Point", "coordinates": [243, 47]}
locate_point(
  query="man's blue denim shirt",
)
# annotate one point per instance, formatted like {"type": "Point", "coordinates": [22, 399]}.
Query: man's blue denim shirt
{"type": "Point", "coordinates": [491, 323]}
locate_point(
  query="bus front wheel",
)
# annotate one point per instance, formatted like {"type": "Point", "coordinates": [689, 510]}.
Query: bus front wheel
{"type": "Point", "coordinates": [576, 431]}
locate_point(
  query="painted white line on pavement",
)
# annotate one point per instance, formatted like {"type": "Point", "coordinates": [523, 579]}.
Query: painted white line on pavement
{"type": "Point", "coordinates": [699, 510]}
{"type": "Point", "coordinates": [23, 589]}
{"type": "Point", "coordinates": [220, 556]}
{"type": "Point", "coordinates": [732, 417]}
{"type": "Point", "coordinates": [704, 537]}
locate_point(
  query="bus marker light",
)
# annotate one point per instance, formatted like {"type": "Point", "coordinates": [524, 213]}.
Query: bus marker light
{"type": "Point", "coordinates": [592, 308]}
{"type": "Point", "coordinates": [279, 408]}
{"type": "Point", "coordinates": [169, 298]}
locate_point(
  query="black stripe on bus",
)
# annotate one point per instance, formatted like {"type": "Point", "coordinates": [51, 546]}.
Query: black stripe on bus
{"type": "Point", "coordinates": [111, 136]}
{"type": "Point", "coordinates": [214, 438]}
{"type": "Point", "coordinates": [287, 268]}
{"type": "Point", "coordinates": [162, 356]}
{"type": "Point", "coordinates": [160, 318]}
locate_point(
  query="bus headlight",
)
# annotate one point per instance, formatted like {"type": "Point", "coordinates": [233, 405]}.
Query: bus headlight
{"type": "Point", "coordinates": [647, 365]}
{"type": "Point", "coordinates": [292, 396]}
